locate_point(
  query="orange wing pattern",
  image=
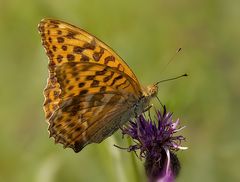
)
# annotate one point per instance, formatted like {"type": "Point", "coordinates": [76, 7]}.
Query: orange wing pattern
{"type": "Point", "coordinates": [66, 43]}
{"type": "Point", "coordinates": [89, 85]}
{"type": "Point", "coordinates": [78, 78]}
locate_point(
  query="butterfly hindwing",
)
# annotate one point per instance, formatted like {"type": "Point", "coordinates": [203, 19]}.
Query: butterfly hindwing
{"type": "Point", "coordinates": [81, 120]}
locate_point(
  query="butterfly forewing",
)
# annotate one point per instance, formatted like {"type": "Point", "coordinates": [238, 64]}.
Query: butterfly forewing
{"type": "Point", "coordinates": [89, 85]}
{"type": "Point", "coordinates": [64, 42]}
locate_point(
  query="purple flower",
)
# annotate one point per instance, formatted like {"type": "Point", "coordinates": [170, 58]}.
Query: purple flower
{"type": "Point", "coordinates": [157, 143]}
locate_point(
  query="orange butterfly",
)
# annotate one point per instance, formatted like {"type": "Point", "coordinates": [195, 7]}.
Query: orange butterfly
{"type": "Point", "coordinates": [91, 91]}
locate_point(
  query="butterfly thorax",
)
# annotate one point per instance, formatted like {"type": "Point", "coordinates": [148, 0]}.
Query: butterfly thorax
{"type": "Point", "coordinates": [143, 103]}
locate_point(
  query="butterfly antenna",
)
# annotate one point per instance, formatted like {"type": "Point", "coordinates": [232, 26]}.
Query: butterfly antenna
{"type": "Point", "coordinates": [174, 78]}
{"type": "Point", "coordinates": [171, 59]}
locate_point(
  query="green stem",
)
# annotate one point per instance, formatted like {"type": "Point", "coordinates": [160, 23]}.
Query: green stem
{"type": "Point", "coordinates": [134, 163]}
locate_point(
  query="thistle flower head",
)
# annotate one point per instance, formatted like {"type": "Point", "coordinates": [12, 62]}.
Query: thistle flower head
{"type": "Point", "coordinates": [157, 143]}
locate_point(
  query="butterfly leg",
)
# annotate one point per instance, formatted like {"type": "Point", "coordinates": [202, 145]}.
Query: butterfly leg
{"type": "Point", "coordinates": [148, 108]}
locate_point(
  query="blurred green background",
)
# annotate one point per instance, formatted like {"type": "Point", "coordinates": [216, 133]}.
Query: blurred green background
{"type": "Point", "coordinates": [146, 34]}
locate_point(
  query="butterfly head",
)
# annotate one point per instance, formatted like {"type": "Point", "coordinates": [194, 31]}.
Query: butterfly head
{"type": "Point", "coordinates": [152, 90]}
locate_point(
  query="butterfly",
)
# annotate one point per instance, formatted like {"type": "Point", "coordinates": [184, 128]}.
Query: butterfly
{"type": "Point", "coordinates": [91, 91]}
